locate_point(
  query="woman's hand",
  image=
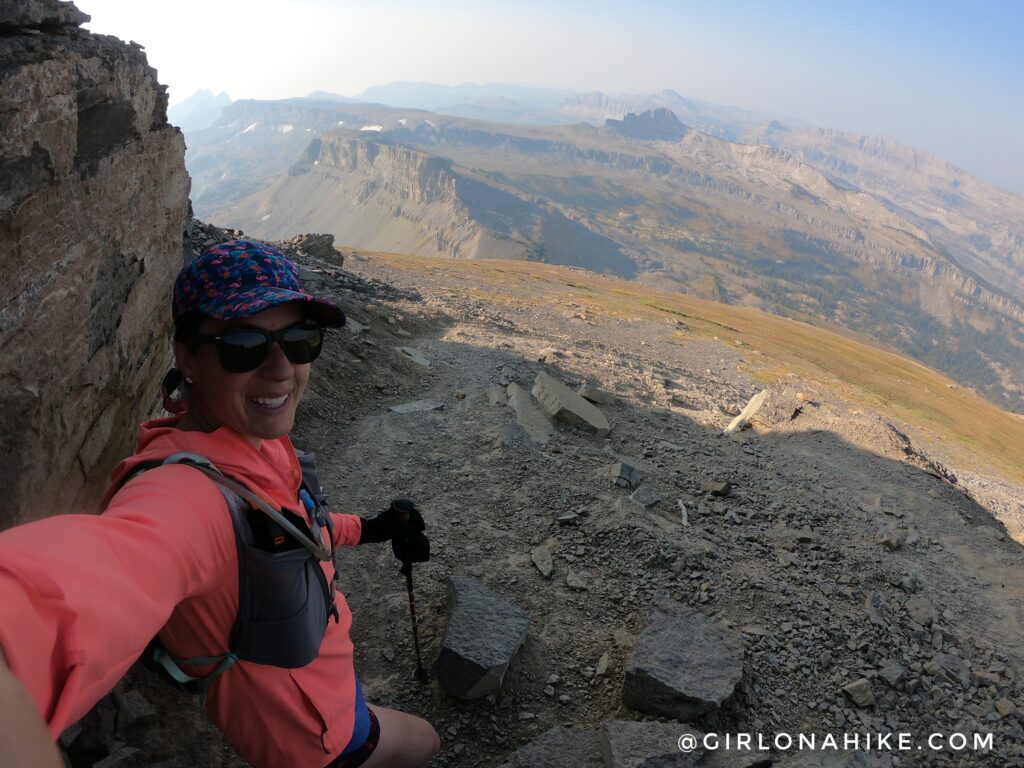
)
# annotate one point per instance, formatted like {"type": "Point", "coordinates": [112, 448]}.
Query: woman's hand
{"type": "Point", "coordinates": [403, 525]}
{"type": "Point", "coordinates": [24, 741]}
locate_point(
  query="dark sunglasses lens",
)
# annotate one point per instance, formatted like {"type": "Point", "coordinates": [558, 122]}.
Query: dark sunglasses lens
{"type": "Point", "coordinates": [242, 351]}
{"type": "Point", "coordinates": [302, 345]}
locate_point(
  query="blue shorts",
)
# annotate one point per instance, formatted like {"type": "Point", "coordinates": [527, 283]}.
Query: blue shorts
{"type": "Point", "coordinates": [361, 729]}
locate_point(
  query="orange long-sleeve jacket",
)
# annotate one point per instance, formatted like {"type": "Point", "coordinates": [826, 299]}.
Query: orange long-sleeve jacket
{"type": "Point", "coordinates": [82, 595]}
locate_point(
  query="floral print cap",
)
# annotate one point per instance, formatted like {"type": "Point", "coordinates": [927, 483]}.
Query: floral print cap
{"type": "Point", "coordinates": [244, 277]}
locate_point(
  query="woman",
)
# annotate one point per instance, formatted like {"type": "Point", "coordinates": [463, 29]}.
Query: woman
{"type": "Point", "coordinates": [81, 596]}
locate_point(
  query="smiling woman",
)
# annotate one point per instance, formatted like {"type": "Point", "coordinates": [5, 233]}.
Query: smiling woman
{"type": "Point", "coordinates": [215, 549]}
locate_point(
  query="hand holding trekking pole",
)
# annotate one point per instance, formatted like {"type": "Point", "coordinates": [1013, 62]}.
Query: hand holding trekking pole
{"type": "Point", "coordinates": [403, 524]}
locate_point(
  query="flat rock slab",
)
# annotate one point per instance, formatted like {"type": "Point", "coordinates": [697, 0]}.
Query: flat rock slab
{"type": "Point", "coordinates": [414, 355]}
{"type": "Point", "coordinates": [534, 423]}
{"type": "Point", "coordinates": [596, 395]}
{"type": "Point", "coordinates": [484, 632]}
{"type": "Point", "coordinates": [417, 406]}
{"type": "Point", "coordinates": [685, 665]}
{"type": "Point", "coordinates": [567, 406]}
{"type": "Point", "coordinates": [752, 407]}
{"type": "Point", "coordinates": [769, 408]}
{"type": "Point", "coordinates": [633, 744]}
{"type": "Point", "coordinates": [559, 748]}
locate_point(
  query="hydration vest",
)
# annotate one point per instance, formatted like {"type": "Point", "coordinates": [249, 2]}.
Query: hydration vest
{"type": "Point", "coordinates": [284, 599]}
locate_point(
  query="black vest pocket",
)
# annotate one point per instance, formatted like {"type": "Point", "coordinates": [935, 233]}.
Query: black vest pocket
{"type": "Point", "coordinates": [285, 602]}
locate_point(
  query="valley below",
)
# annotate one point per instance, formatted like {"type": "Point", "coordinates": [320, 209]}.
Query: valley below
{"type": "Point", "coordinates": [806, 224]}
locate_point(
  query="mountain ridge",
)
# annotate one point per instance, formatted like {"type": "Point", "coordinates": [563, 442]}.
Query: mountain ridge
{"type": "Point", "coordinates": [751, 224]}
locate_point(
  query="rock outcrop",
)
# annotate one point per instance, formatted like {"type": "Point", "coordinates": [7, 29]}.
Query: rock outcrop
{"type": "Point", "coordinates": [484, 633]}
{"type": "Point", "coordinates": [93, 208]}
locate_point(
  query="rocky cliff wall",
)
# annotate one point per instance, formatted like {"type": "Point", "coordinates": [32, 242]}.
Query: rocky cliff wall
{"type": "Point", "coordinates": [93, 207]}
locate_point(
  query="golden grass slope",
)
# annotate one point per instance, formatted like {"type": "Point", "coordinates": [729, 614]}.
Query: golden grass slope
{"type": "Point", "coordinates": [981, 436]}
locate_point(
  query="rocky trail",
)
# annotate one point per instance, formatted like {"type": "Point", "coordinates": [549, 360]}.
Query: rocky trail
{"type": "Point", "coordinates": [808, 575]}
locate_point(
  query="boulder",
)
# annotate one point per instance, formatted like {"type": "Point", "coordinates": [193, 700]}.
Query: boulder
{"type": "Point", "coordinates": [93, 213]}
{"type": "Point", "coordinates": [685, 665]}
{"type": "Point", "coordinates": [559, 748]}
{"type": "Point", "coordinates": [483, 634]}
{"type": "Point", "coordinates": [320, 246]}
{"type": "Point", "coordinates": [528, 416]}
{"type": "Point", "coordinates": [567, 406]}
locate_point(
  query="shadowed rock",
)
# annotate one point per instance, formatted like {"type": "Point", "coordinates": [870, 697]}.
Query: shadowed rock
{"type": "Point", "coordinates": [559, 748]}
{"type": "Point", "coordinates": [596, 395]}
{"type": "Point", "coordinates": [535, 423]}
{"type": "Point", "coordinates": [632, 744]}
{"type": "Point", "coordinates": [484, 632]}
{"type": "Point", "coordinates": [685, 665]}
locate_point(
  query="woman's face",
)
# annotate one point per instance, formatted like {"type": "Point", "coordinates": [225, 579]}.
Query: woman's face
{"type": "Point", "coordinates": [259, 404]}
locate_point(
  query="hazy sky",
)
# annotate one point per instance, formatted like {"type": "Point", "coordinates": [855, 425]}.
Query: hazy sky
{"type": "Point", "coordinates": [946, 77]}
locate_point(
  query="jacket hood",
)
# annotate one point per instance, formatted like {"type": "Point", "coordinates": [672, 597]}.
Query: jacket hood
{"type": "Point", "coordinates": [271, 471]}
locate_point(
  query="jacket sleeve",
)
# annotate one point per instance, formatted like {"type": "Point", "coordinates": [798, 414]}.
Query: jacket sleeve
{"type": "Point", "coordinates": [347, 529]}
{"type": "Point", "coordinates": [82, 595]}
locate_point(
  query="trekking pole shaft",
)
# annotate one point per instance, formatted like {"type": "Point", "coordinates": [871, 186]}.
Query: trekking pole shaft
{"type": "Point", "coordinates": [415, 626]}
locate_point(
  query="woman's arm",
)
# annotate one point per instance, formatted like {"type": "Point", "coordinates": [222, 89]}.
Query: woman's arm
{"type": "Point", "coordinates": [82, 595]}
{"type": "Point", "coordinates": [347, 529]}
{"type": "Point", "coordinates": [24, 741]}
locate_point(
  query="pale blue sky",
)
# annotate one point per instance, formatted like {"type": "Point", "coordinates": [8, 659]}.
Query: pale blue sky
{"type": "Point", "coordinates": [945, 77]}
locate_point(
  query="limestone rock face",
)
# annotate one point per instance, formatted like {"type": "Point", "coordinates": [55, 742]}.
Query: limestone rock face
{"type": "Point", "coordinates": [93, 210]}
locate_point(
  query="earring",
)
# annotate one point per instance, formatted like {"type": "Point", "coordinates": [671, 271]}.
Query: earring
{"type": "Point", "coordinates": [188, 380]}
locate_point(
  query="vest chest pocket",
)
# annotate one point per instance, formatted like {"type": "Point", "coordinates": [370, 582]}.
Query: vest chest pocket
{"type": "Point", "coordinates": [284, 597]}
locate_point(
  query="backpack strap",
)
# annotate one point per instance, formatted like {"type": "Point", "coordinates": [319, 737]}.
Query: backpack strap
{"type": "Point", "coordinates": [206, 466]}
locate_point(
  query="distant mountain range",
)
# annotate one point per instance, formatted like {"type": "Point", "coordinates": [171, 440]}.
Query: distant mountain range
{"type": "Point", "coordinates": [200, 110]}
{"type": "Point", "coordinates": [815, 224]}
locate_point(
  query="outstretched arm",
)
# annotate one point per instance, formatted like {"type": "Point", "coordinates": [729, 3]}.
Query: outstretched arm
{"type": "Point", "coordinates": [82, 595]}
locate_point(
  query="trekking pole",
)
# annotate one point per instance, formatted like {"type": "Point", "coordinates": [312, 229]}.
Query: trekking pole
{"type": "Point", "coordinates": [421, 674]}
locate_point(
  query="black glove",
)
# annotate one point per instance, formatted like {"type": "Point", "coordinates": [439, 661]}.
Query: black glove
{"type": "Point", "coordinates": [403, 524]}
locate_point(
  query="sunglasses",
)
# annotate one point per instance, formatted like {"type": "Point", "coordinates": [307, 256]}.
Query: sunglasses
{"type": "Point", "coordinates": [244, 349]}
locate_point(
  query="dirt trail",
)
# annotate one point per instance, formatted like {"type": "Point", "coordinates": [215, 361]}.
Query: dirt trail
{"type": "Point", "coordinates": [819, 610]}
